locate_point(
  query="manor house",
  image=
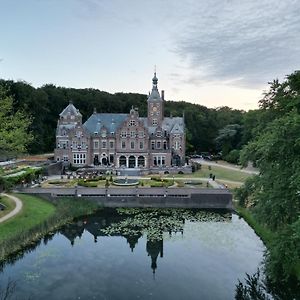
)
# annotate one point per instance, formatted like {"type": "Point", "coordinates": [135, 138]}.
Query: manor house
{"type": "Point", "coordinates": [122, 140]}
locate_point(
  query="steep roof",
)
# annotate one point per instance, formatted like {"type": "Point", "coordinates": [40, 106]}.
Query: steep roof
{"type": "Point", "coordinates": [70, 109]}
{"type": "Point", "coordinates": [171, 125]}
{"type": "Point", "coordinates": [110, 121]}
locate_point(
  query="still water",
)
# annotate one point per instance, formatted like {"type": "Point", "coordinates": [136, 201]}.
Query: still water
{"type": "Point", "coordinates": [140, 254]}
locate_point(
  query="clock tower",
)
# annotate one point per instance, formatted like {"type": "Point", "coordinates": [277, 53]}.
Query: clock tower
{"type": "Point", "coordinates": [155, 105]}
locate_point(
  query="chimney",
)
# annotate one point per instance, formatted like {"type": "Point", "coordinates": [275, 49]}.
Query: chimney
{"type": "Point", "coordinates": [163, 95]}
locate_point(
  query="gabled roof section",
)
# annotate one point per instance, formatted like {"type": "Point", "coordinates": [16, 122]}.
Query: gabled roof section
{"type": "Point", "coordinates": [109, 121]}
{"type": "Point", "coordinates": [70, 109]}
{"type": "Point", "coordinates": [173, 125]}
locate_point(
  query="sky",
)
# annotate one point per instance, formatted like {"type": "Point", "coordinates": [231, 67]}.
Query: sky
{"type": "Point", "coordinates": [210, 52]}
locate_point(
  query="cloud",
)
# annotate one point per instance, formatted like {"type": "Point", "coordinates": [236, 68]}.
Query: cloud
{"type": "Point", "coordinates": [244, 43]}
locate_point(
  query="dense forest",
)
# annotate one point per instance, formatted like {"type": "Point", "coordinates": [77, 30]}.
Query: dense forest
{"type": "Point", "coordinates": [208, 130]}
{"type": "Point", "coordinates": [273, 196]}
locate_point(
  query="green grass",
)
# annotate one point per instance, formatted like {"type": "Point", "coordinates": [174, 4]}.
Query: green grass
{"type": "Point", "coordinates": [219, 172]}
{"type": "Point", "coordinates": [10, 205]}
{"type": "Point", "coordinates": [34, 211]}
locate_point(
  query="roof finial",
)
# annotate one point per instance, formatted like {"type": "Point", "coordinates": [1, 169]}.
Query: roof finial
{"type": "Point", "coordinates": [154, 79]}
{"type": "Point", "coordinates": [70, 101]}
{"type": "Point", "coordinates": [95, 110]}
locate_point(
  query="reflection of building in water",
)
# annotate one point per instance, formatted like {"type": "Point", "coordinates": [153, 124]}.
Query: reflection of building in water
{"type": "Point", "coordinates": [154, 248]}
{"type": "Point", "coordinates": [121, 225]}
{"type": "Point", "coordinates": [72, 231]}
{"type": "Point", "coordinates": [132, 240]}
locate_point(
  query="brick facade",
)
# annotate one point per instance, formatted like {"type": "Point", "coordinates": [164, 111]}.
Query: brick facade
{"type": "Point", "coordinates": [122, 140]}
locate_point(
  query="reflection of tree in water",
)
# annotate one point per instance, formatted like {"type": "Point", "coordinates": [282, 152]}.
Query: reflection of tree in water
{"type": "Point", "coordinates": [133, 223]}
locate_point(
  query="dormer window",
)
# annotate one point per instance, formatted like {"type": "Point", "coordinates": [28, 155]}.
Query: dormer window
{"type": "Point", "coordinates": [132, 134]}
{"type": "Point", "coordinates": [123, 134]}
{"type": "Point", "coordinates": [154, 122]}
{"type": "Point", "coordinates": [158, 133]}
{"type": "Point", "coordinates": [103, 133]}
{"type": "Point", "coordinates": [132, 123]}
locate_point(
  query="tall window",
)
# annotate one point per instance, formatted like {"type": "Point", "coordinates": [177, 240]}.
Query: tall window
{"type": "Point", "coordinates": [158, 144]}
{"type": "Point", "coordinates": [131, 145]}
{"type": "Point", "coordinates": [141, 145]}
{"type": "Point", "coordinates": [152, 145]}
{"type": "Point", "coordinates": [111, 144]}
{"type": "Point", "coordinates": [123, 144]}
{"type": "Point", "coordinates": [165, 145]}
{"type": "Point", "coordinates": [103, 144]}
{"type": "Point", "coordinates": [96, 144]}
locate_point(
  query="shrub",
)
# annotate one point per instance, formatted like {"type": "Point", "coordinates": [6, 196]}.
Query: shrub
{"type": "Point", "coordinates": [86, 183]}
{"type": "Point", "coordinates": [233, 156]}
{"type": "Point", "coordinates": [155, 178]}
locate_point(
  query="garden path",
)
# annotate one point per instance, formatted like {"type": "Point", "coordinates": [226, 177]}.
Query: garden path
{"type": "Point", "coordinates": [16, 210]}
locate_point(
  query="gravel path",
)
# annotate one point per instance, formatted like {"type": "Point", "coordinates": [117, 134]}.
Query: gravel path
{"type": "Point", "coordinates": [16, 210]}
{"type": "Point", "coordinates": [229, 167]}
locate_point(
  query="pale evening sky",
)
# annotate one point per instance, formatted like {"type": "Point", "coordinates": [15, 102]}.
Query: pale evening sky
{"type": "Point", "coordinates": [214, 53]}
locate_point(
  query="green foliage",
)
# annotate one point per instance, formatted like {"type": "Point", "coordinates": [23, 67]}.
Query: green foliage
{"type": "Point", "coordinates": [253, 289]}
{"type": "Point", "coordinates": [246, 193]}
{"type": "Point", "coordinates": [229, 138]}
{"type": "Point", "coordinates": [81, 182]}
{"type": "Point", "coordinates": [233, 156]}
{"type": "Point", "coordinates": [276, 152]}
{"type": "Point", "coordinates": [274, 195]}
{"type": "Point", "coordinates": [14, 127]}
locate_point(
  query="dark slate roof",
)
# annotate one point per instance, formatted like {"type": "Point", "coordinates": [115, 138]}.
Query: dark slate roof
{"type": "Point", "coordinates": [171, 125]}
{"type": "Point", "coordinates": [110, 121]}
{"type": "Point", "coordinates": [154, 96]}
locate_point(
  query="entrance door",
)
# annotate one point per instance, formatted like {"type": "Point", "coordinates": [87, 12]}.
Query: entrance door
{"type": "Point", "coordinates": [131, 162]}
{"type": "Point", "coordinates": [122, 161]}
{"type": "Point", "coordinates": [96, 160]}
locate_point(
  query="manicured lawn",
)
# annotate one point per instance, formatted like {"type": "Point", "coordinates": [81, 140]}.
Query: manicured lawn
{"type": "Point", "coordinates": [10, 205]}
{"type": "Point", "coordinates": [34, 211]}
{"type": "Point", "coordinates": [219, 172]}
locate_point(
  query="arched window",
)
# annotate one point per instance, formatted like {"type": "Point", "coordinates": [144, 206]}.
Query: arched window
{"type": "Point", "coordinates": [141, 161]}
{"type": "Point", "coordinates": [132, 162]}
{"type": "Point", "coordinates": [122, 161]}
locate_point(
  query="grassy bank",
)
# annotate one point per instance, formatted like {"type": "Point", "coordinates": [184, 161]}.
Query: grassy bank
{"type": "Point", "coordinates": [34, 211]}
{"type": "Point", "coordinates": [264, 233]}
{"type": "Point", "coordinates": [10, 205]}
{"type": "Point", "coordinates": [268, 237]}
{"type": "Point", "coordinates": [37, 219]}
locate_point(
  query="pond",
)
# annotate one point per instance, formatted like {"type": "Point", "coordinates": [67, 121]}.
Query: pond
{"type": "Point", "coordinates": [139, 254]}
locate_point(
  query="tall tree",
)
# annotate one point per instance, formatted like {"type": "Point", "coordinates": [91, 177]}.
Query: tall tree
{"type": "Point", "coordinates": [14, 135]}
